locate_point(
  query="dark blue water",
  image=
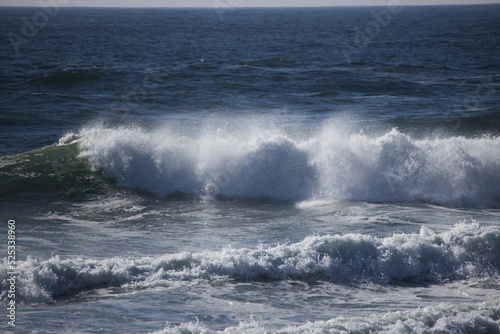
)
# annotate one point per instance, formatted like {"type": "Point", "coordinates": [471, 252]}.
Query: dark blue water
{"type": "Point", "coordinates": [285, 170]}
{"type": "Point", "coordinates": [426, 66]}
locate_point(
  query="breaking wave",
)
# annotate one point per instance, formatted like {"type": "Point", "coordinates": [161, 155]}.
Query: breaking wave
{"type": "Point", "coordinates": [260, 162]}
{"type": "Point", "coordinates": [329, 165]}
{"type": "Point", "coordinates": [465, 251]}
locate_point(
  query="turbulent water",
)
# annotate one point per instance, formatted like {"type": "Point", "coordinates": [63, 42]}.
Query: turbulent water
{"type": "Point", "coordinates": [237, 170]}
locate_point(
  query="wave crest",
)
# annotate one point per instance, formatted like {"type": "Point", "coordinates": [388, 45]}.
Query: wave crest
{"type": "Point", "coordinates": [262, 163]}
{"type": "Point", "coordinates": [466, 251]}
{"type": "Point", "coordinates": [165, 163]}
{"type": "Point", "coordinates": [330, 165]}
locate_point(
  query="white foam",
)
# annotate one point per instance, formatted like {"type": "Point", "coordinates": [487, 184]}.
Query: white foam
{"type": "Point", "coordinates": [442, 319]}
{"type": "Point", "coordinates": [269, 162]}
{"type": "Point", "coordinates": [165, 162]}
{"type": "Point", "coordinates": [466, 251]}
{"type": "Point", "coordinates": [452, 171]}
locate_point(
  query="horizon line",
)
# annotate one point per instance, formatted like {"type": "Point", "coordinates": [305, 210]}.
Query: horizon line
{"type": "Point", "coordinates": [249, 7]}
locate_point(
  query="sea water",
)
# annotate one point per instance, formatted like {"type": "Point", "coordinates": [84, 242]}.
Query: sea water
{"type": "Point", "coordinates": [251, 170]}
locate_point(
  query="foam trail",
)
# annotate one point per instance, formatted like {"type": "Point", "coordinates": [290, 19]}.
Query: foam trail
{"type": "Point", "coordinates": [442, 319]}
{"type": "Point", "coordinates": [466, 251]}
{"type": "Point", "coordinates": [270, 163]}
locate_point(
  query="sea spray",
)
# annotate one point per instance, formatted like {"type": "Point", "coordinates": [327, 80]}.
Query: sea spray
{"type": "Point", "coordinates": [331, 164]}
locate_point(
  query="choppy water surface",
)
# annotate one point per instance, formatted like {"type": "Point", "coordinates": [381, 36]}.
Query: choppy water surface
{"type": "Point", "coordinates": [275, 170]}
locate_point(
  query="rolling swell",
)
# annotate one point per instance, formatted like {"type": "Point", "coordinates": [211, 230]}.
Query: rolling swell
{"type": "Point", "coordinates": [69, 76]}
{"type": "Point", "coordinates": [466, 251]}
{"type": "Point", "coordinates": [50, 171]}
{"type": "Point", "coordinates": [332, 164]}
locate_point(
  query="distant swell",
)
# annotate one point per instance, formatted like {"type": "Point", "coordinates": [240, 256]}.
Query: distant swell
{"type": "Point", "coordinates": [466, 251]}
{"type": "Point", "coordinates": [332, 164]}
{"type": "Point", "coordinates": [70, 76]}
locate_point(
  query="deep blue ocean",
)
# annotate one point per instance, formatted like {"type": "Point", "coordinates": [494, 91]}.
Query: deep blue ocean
{"type": "Point", "coordinates": [235, 170]}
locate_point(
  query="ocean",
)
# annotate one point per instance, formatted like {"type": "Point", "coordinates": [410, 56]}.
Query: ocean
{"type": "Point", "coordinates": [250, 170]}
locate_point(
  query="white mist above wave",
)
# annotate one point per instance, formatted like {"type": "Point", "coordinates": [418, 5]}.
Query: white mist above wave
{"type": "Point", "coordinates": [464, 252]}
{"type": "Point", "coordinates": [269, 162]}
{"type": "Point", "coordinates": [442, 319]}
